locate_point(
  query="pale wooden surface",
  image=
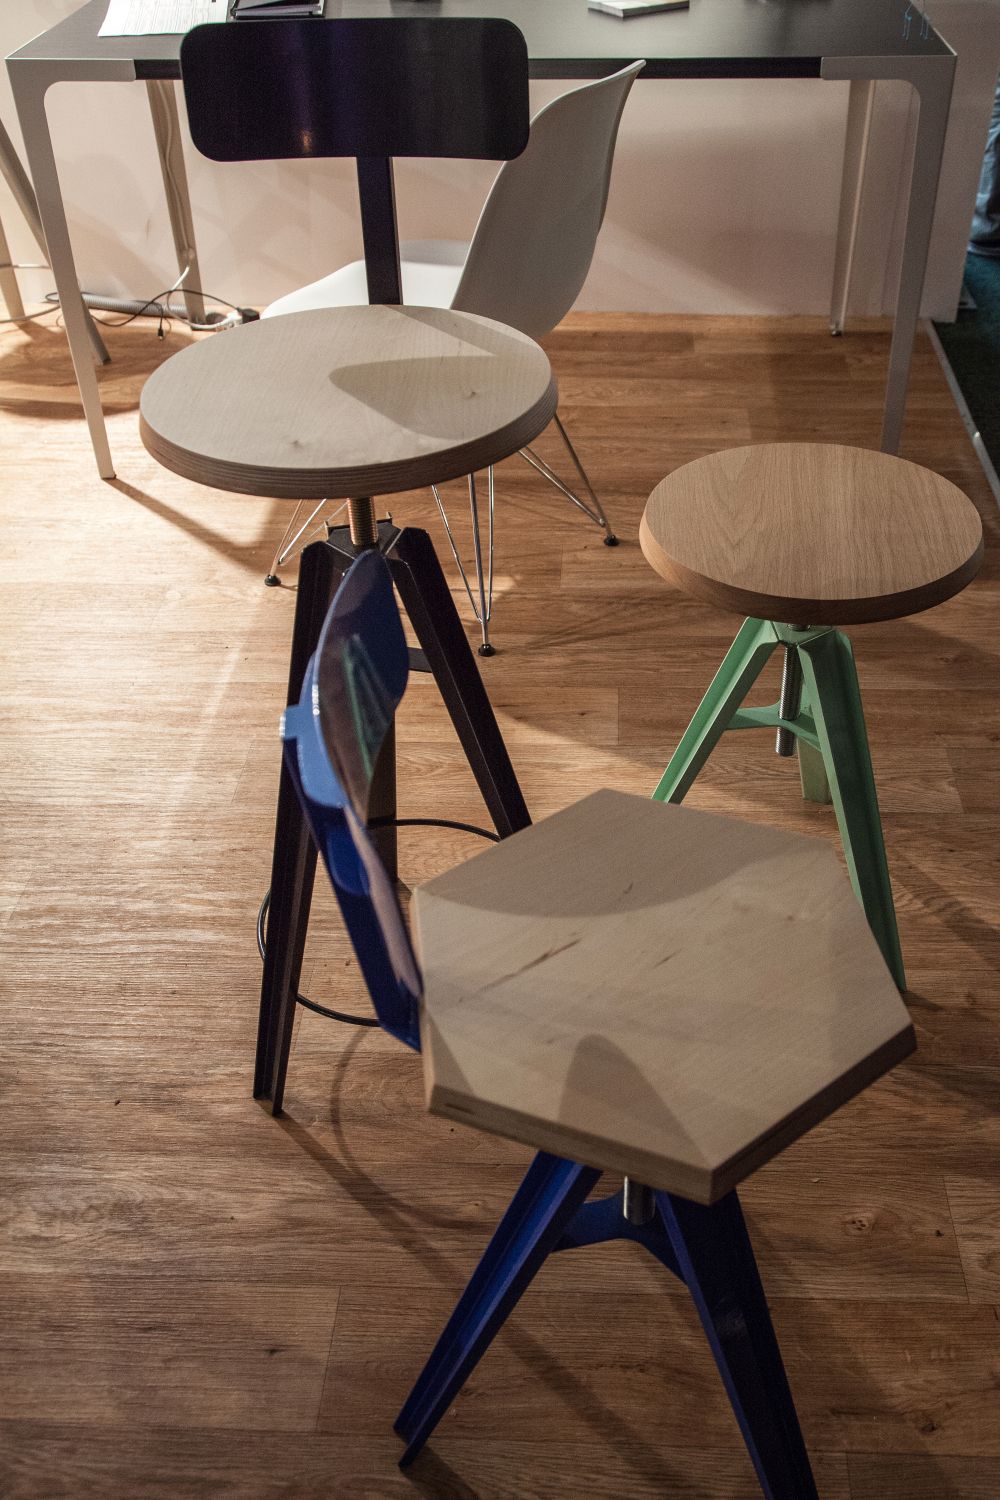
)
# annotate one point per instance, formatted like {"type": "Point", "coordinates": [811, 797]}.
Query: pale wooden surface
{"type": "Point", "coordinates": [652, 990]}
{"type": "Point", "coordinates": [348, 401]}
{"type": "Point", "coordinates": [812, 533]}
{"type": "Point", "coordinates": [169, 1254]}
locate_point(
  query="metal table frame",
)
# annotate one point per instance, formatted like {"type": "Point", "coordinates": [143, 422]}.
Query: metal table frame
{"type": "Point", "coordinates": [72, 51]}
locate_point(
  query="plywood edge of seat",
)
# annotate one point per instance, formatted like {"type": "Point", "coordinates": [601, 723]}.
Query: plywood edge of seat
{"type": "Point", "coordinates": [793, 610]}
{"type": "Point", "coordinates": [701, 1183]}
{"type": "Point", "coordinates": [384, 478]}
{"type": "Point", "coordinates": [820, 1107]}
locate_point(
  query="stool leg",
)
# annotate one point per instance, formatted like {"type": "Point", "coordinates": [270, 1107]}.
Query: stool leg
{"type": "Point", "coordinates": [541, 1209]}
{"type": "Point", "coordinates": [812, 774]}
{"type": "Point", "coordinates": [294, 862]}
{"type": "Point", "coordinates": [835, 702]}
{"type": "Point", "coordinates": [717, 1262]}
{"type": "Point", "coordinates": [812, 771]}
{"type": "Point", "coordinates": [743, 664]}
{"type": "Point", "coordinates": [428, 602]}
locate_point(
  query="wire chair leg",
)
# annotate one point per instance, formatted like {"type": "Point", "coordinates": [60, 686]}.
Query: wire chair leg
{"type": "Point", "coordinates": [485, 589]}
{"type": "Point", "coordinates": [289, 544]}
{"type": "Point", "coordinates": [480, 598]}
{"type": "Point", "coordinates": [610, 540]}
{"type": "Point", "coordinates": [594, 512]}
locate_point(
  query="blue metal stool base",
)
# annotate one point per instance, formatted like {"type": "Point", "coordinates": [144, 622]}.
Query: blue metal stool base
{"type": "Point", "coordinates": [709, 1249]}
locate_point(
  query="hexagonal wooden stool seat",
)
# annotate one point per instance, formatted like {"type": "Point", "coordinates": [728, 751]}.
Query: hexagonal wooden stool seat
{"type": "Point", "coordinates": [669, 993]}
{"type": "Point", "coordinates": [803, 537]}
{"type": "Point", "coordinates": [652, 990]}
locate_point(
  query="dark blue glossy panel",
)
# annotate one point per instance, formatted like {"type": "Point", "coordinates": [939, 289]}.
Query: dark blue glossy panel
{"type": "Point", "coordinates": [333, 736]}
{"type": "Point", "coordinates": [419, 85]}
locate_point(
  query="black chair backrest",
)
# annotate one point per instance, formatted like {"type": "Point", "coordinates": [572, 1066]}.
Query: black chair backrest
{"type": "Point", "coordinates": [369, 87]}
{"type": "Point", "coordinates": [378, 86]}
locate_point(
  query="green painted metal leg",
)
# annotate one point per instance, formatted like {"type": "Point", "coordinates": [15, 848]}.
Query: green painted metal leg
{"type": "Point", "coordinates": [831, 682]}
{"type": "Point", "coordinates": [743, 664]}
{"type": "Point", "coordinates": [812, 773]}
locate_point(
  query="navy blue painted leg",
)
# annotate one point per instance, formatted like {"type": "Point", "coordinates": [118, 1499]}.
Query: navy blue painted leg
{"type": "Point", "coordinates": [716, 1259]}
{"type": "Point", "coordinates": [542, 1207]}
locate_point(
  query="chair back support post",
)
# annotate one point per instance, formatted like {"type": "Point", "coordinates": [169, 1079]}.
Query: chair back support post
{"type": "Point", "coordinates": [377, 196]}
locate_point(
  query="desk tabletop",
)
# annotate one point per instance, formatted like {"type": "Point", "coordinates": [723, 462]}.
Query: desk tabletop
{"type": "Point", "coordinates": [714, 38]}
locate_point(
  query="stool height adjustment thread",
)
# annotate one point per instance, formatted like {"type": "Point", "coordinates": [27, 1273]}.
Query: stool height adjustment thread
{"type": "Point", "coordinates": [364, 527]}
{"type": "Point", "coordinates": [638, 1203]}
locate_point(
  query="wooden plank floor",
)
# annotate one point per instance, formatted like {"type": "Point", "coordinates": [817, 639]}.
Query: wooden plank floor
{"type": "Point", "coordinates": [197, 1300]}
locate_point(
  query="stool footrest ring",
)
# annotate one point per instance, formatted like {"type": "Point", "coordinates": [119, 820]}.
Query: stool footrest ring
{"type": "Point", "coordinates": [345, 1017]}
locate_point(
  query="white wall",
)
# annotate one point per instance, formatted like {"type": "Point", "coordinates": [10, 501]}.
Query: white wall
{"type": "Point", "coordinates": [724, 198]}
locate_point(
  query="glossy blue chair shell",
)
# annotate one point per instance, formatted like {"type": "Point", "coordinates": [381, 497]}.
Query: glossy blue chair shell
{"type": "Point", "coordinates": [332, 739]}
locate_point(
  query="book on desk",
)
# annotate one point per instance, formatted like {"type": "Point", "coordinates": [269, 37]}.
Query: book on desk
{"type": "Point", "coordinates": [273, 10]}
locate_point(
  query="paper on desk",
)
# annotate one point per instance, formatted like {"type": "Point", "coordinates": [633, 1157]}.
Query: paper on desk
{"type": "Point", "coordinates": [159, 17]}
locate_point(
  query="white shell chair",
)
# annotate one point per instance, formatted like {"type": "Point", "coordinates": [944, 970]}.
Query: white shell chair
{"type": "Point", "coordinates": [528, 259]}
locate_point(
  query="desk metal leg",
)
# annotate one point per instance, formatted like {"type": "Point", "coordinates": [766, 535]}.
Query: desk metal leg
{"type": "Point", "coordinates": [29, 97]}
{"type": "Point", "coordinates": [17, 180]}
{"type": "Point", "coordinates": [166, 127]}
{"type": "Point", "coordinates": [859, 121]}
{"type": "Point", "coordinates": [933, 103]}
{"type": "Point", "coordinates": [932, 79]}
{"type": "Point", "coordinates": [9, 288]}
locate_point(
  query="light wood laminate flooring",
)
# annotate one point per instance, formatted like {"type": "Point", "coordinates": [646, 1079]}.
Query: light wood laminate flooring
{"type": "Point", "coordinates": [198, 1302]}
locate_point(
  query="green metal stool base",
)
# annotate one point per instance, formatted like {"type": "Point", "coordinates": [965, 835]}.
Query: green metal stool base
{"type": "Point", "coordinates": [823, 712]}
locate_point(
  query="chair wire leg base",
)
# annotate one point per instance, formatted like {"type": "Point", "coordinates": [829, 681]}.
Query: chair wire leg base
{"type": "Point", "coordinates": [480, 598]}
{"type": "Point", "coordinates": [594, 511]}
{"type": "Point", "coordinates": [481, 593]}
{"type": "Point", "coordinates": [290, 545]}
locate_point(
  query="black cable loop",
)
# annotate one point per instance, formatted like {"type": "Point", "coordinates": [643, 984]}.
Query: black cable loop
{"type": "Point", "coordinates": [340, 1015]}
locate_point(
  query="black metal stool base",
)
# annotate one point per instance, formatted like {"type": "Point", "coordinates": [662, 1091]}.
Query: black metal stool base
{"type": "Point", "coordinates": [428, 602]}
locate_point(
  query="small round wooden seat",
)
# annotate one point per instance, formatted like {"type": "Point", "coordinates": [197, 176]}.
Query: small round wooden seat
{"type": "Point", "coordinates": [803, 537]}
{"type": "Point", "coordinates": [346, 402]}
{"type": "Point", "coordinates": [812, 533]}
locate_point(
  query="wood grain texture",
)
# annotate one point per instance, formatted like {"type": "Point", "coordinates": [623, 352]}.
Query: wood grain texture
{"type": "Point", "coordinates": [146, 669]}
{"type": "Point", "coordinates": [147, 1464]}
{"type": "Point", "coordinates": [812, 534]}
{"type": "Point", "coordinates": [653, 990]}
{"type": "Point", "coordinates": [348, 401]}
{"type": "Point", "coordinates": [906, 1476]}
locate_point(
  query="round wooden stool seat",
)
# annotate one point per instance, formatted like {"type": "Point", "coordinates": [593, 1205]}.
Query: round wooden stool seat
{"type": "Point", "coordinates": [346, 402]}
{"type": "Point", "coordinates": [812, 533]}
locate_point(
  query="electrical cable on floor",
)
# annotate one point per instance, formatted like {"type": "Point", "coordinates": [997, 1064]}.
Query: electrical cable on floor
{"type": "Point", "coordinates": [340, 1015]}
{"type": "Point", "coordinates": [134, 308]}
{"type": "Point", "coordinates": [165, 311]}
